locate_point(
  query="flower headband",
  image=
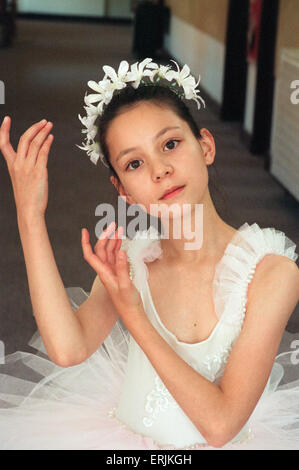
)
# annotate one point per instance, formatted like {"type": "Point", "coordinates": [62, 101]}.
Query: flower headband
{"type": "Point", "coordinates": [113, 81]}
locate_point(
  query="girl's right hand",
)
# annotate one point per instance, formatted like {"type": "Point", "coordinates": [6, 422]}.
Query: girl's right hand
{"type": "Point", "coordinates": [28, 167]}
{"type": "Point", "coordinates": [112, 266]}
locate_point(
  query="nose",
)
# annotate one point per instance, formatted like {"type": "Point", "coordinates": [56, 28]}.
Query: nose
{"type": "Point", "coordinates": [160, 170]}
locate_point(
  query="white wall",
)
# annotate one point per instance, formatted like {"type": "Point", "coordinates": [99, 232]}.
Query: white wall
{"type": "Point", "coordinates": [204, 55]}
{"type": "Point", "coordinates": [119, 9]}
{"type": "Point", "coordinates": [285, 124]}
{"type": "Point", "coordinates": [250, 97]}
{"type": "Point", "coordinates": [94, 8]}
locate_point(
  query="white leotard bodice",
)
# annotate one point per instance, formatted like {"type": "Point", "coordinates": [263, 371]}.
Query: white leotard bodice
{"type": "Point", "coordinates": [145, 404]}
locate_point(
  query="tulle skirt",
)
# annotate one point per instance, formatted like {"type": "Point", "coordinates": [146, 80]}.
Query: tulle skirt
{"type": "Point", "coordinates": [46, 407]}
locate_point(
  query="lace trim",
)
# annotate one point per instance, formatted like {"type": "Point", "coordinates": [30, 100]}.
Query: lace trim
{"type": "Point", "coordinates": [159, 399]}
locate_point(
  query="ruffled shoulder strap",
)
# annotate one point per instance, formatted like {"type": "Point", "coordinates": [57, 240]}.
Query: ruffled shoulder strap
{"type": "Point", "coordinates": [144, 247]}
{"type": "Point", "coordinates": [236, 268]}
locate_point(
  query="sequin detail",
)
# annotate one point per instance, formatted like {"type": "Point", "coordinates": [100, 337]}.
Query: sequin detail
{"type": "Point", "coordinates": [159, 399]}
{"type": "Point", "coordinates": [215, 362]}
{"type": "Point", "coordinates": [131, 271]}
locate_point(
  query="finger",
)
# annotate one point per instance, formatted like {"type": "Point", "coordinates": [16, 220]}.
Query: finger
{"type": "Point", "coordinates": [103, 270]}
{"type": "Point", "coordinates": [105, 234]}
{"type": "Point", "coordinates": [122, 270]}
{"type": "Point", "coordinates": [36, 145]}
{"type": "Point", "coordinates": [27, 137]}
{"type": "Point", "coordinates": [119, 241]}
{"type": "Point", "coordinates": [101, 244]}
{"type": "Point", "coordinates": [112, 245]}
{"type": "Point", "coordinates": [43, 155]}
{"type": "Point", "coordinates": [5, 145]}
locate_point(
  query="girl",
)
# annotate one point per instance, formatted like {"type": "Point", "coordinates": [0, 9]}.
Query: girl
{"type": "Point", "coordinates": [142, 363]}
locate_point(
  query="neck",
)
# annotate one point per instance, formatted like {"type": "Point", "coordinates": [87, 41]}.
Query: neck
{"type": "Point", "coordinates": [209, 234]}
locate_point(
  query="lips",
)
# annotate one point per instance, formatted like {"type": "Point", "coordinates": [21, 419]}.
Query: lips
{"type": "Point", "coordinates": [172, 191]}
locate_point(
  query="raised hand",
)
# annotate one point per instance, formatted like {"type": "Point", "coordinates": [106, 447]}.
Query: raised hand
{"type": "Point", "coordinates": [28, 167]}
{"type": "Point", "coordinates": [111, 265]}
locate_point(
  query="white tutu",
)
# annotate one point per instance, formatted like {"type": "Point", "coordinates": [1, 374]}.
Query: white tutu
{"type": "Point", "coordinates": [44, 406]}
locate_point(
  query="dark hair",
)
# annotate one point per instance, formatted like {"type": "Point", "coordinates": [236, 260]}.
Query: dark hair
{"type": "Point", "coordinates": [160, 95]}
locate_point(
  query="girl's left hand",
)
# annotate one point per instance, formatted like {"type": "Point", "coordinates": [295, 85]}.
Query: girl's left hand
{"type": "Point", "coordinates": [111, 265]}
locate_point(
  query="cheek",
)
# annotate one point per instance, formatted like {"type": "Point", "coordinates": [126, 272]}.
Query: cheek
{"type": "Point", "coordinates": [199, 175]}
{"type": "Point", "coordinates": [140, 192]}
{"type": "Point", "coordinates": [196, 168]}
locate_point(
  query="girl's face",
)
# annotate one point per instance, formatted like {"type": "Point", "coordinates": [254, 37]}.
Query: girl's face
{"type": "Point", "coordinates": [152, 150]}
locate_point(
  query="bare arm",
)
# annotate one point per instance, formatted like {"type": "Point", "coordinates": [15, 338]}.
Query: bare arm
{"type": "Point", "coordinates": [67, 337]}
{"type": "Point", "coordinates": [97, 316]}
{"type": "Point", "coordinates": [220, 411]}
{"type": "Point", "coordinates": [58, 326]}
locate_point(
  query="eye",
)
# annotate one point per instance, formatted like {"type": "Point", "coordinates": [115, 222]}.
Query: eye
{"type": "Point", "coordinates": [171, 141]}
{"type": "Point", "coordinates": [130, 163]}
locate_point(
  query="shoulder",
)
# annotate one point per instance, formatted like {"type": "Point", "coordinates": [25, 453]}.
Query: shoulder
{"type": "Point", "coordinates": [278, 267]}
{"type": "Point", "coordinates": [273, 263]}
{"type": "Point", "coordinates": [275, 286]}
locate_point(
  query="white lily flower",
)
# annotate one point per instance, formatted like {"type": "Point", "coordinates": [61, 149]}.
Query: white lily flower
{"type": "Point", "coordinates": [187, 82]}
{"type": "Point", "coordinates": [100, 107]}
{"type": "Point", "coordinates": [184, 79]}
{"type": "Point", "coordinates": [92, 132]}
{"type": "Point", "coordinates": [118, 81]}
{"type": "Point", "coordinates": [93, 151]}
{"type": "Point", "coordinates": [88, 121]}
{"type": "Point", "coordinates": [121, 74]}
{"type": "Point", "coordinates": [99, 87]}
{"type": "Point", "coordinates": [162, 71]}
{"type": "Point", "coordinates": [93, 98]}
{"type": "Point", "coordinates": [91, 110]}
{"type": "Point", "coordinates": [196, 96]}
{"type": "Point", "coordinates": [138, 72]}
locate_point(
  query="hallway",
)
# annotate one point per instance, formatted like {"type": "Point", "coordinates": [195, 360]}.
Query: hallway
{"type": "Point", "coordinates": [45, 74]}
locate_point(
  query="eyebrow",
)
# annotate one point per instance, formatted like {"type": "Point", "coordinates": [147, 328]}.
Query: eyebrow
{"type": "Point", "coordinates": [163, 131]}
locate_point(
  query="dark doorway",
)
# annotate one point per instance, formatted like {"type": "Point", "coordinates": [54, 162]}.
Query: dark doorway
{"type": "Point", "coordinates": [264, 94]}
{"type": "Point", "coordinates": [235, 72]}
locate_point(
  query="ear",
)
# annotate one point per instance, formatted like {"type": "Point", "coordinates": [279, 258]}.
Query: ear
{"type": "Point", "coordinates": [121, 191]}
{"type": "Point", "coordinates": [207, 143]}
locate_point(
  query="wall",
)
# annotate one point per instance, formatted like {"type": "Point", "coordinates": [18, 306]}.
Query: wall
{"type": "Point", "coordinates": [206, 15]}
{"type": "Point", "coordinates": [287, 36]}
{"type": "Point", "coordinates": [93, 8]}
{"type": "Point", "coordinates": [66, 7]}
{"type": "Point", "coordinates": [119, 9]}
{"type": "Point", "coordinates": [284, 148]}
{"type": "Point", "coordinates": [197, 37]}
{"type": "Point", "coordinates": [288, 28]}
{"type": "Point", "coordinates": [250, 97]}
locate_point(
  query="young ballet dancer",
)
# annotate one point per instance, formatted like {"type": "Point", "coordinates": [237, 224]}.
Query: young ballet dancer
{"type": "Point", "coordinates": [175, 346]}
